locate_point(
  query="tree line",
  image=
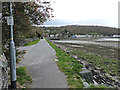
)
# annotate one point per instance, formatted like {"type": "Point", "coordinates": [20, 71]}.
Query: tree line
{"type": "Point", "coordinates": [83, 30]}
{"type": "Point", "coordinates": [26, 15]}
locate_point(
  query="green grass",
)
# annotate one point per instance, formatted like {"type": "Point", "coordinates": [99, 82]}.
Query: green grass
{"type": "Point", "coordinates": [103, 57]}
{"type": "Point", "coordinates": [23, 76]}
{"type": "Point", "coordinates": [32, 43]}
{"type": "Point", "coordinates": [71, 67]}
{"type": "Point", "coordinates": [107, 64]}
{"type": "Point", "coordinates": [104, 51]}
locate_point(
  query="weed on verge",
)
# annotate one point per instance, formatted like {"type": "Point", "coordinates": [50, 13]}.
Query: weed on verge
{"type": "Point", "coordinates": [23, 77]}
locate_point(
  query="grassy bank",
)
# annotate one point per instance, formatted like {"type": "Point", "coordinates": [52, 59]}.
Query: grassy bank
{"type": "Point", "coordinates": [71, 67]}
{"type": "Point", "coordinates": [104, 57]}
{"type": "Point", "coordinates": [107, 65]}
{"type": "Point", "coordinates": [32, 43]}
{"type": "Point", "coordinates": [23, 77]}
{"type": "Point", "coordinates": [104, 51]}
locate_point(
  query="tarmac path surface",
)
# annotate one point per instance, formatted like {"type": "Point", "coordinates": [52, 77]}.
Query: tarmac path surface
{"type": "Point", "coordinates": [40, 63]}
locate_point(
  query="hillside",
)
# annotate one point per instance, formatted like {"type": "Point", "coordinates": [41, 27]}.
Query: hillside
{"type": "Point", "coordinates": [77, 29]}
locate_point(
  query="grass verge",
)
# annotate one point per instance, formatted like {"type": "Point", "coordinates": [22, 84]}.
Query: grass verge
{"type": "Point", "coordinates": [23, 77]}
{"type": "Point", "coordinates": [71, 67]}
{"type": "Point", "coordinates": [32, 43]}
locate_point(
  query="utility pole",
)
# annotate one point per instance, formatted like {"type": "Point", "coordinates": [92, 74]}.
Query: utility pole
{"type": "Point", "coordinates": [12, 51]}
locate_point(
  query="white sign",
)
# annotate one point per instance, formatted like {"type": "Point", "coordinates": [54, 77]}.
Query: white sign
{"type": "Point", "coordinates": [10, 20]}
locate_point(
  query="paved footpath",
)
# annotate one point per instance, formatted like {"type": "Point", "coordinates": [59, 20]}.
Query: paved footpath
{"type": "Point", "coordinates": [41, 65]}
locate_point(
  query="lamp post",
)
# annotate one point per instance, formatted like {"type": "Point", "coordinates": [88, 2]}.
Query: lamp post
{"type": "Point", "coordinates": [12, 51]}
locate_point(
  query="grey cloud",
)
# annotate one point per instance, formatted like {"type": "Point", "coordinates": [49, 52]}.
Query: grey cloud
{"type": "Point", "coordinates": [79, 22]}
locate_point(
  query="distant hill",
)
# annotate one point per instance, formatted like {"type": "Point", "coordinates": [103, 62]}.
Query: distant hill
{"type": "Point", "coordinates": [79, 29]}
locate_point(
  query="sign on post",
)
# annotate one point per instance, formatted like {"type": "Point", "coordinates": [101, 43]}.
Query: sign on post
{"type": "Point", "coordinates": [10, 20]}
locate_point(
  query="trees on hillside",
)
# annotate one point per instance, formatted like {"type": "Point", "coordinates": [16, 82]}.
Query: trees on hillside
{"type": "Point", "coordinates": [80, 29]}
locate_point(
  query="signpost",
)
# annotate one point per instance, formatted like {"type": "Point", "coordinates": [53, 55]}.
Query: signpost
{"type": "Point", "coordinates": [12, 51]}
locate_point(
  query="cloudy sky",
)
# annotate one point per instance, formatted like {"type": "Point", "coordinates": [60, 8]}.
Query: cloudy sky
{"type": "Point", "coordinates": [85, 12]}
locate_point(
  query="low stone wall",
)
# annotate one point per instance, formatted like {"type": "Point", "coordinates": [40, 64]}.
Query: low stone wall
{"type": "Point", "coordinates": [3, 73]}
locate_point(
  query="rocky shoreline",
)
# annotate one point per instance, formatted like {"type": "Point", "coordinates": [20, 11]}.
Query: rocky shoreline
{"type": "Point", "coordinates": [99, 77]}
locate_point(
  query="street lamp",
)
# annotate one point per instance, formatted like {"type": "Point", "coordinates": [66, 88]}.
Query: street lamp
{"type": "Point", "coordinates": [12, 54]}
